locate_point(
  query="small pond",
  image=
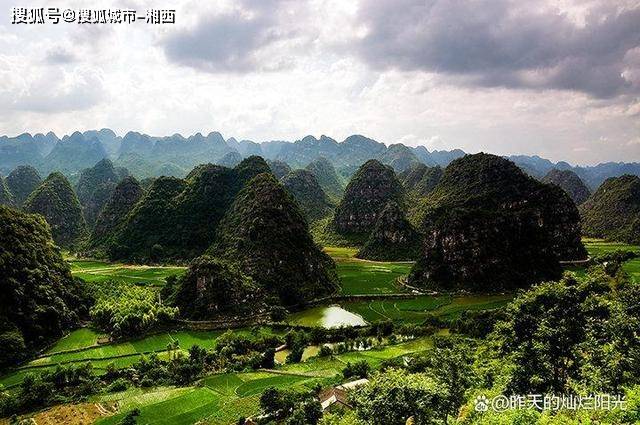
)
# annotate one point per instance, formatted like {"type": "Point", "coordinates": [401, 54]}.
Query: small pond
{"type": "Point", "coordinates": [327, 316]}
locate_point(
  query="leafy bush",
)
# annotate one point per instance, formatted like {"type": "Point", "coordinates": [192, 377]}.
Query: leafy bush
{"type": "Point", "coordinates": [125, 310]}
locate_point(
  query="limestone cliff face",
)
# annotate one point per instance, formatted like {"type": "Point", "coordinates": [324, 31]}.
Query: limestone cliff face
{"type": "Point", "coordinates": [489, 227]}
{"type": "Point", "coordinates": [393, 238]}
{"type": "Point", "coordinates": [371, 188]}
{"type": "Point", "coordinates": [213, 288]}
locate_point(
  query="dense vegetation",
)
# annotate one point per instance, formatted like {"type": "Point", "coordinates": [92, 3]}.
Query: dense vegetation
{"type": "Point", "coordinates": [279, 168]}
{"type": "Point", "coordinates": [213, 289]}
{"type": "Point", "coordinates": [149, 226]}
{"type": "Point", "coordinates": [393, 238]}
{"type": "Point", "coordinates": [125, 310]}
{"type": "Point", "coordinates": [399, 157]}
{"type": "Point", "coordinates": [56, 201]}
{"type": "Point", "coordinates": [371, 188]}
{"type": "Point", "coordinates": [613, 212]}
{"type": "Point", "coordinates": [6, 197]}
{"type": "Point", "coordinates": [419, 180]}
{"type": "Point", "coordinates": [570, 183]}
{"type": "Point", "coordinates": [489, 227]}
{"type": "Point", "coordinates": [266, 233]}
{"type": "Point", "coordinates": [124, 197]}
{"type": "Point", "coordinates": [565, 337]}
{"type": "Point", "coordinates": [304, 188]}
{"type": "Point", "coordinates": [95, 187]}
{"type": "Point", "coordinates": [22, 181]}
{"type": "Point", "coordinates": [40, 300]}
{"type": "Point", "coordinates": [327, 177]}
{"type": "Point", "coordinates": [194, 205]}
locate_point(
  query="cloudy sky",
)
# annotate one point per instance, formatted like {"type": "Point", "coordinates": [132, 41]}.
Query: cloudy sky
{"type": "Point", "coordinates": [556, 78]}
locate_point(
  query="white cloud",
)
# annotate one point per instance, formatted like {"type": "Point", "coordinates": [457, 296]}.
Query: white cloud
{"type": "Point", "coordinates": [70, 77]}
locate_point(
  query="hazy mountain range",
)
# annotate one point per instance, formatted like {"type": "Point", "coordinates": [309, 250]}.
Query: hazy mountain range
{"type": "Point", "coordinates": [148, 156]}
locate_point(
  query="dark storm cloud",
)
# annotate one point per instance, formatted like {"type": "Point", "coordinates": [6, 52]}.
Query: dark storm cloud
{"type": "Point", "coordinates": [504, 43]}
{"type": "Point", "coordinates": [229, 42]}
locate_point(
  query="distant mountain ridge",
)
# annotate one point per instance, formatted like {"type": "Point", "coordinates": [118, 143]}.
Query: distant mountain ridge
{"type": "Point", "coordinates": [151, 156]}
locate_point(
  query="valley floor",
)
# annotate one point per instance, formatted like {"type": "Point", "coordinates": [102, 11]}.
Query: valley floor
{"type": "Point", "coordinates": [222, 399]}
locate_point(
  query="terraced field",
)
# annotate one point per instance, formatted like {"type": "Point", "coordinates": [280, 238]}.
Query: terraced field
{"type": "Point", "coordinates": [366, 277]}
{"type": "Point", "coordinates": [98, 271]}
{"type": "Point", "coordinates": [600, 246]}
{"type": "Point", "coordinates": [81, 346]}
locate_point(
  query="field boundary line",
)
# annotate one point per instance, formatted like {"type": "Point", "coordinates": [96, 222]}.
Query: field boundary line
{"type": "Point", "coordinates": [291, 373]}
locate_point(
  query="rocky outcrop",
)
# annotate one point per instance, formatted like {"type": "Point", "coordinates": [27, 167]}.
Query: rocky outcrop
{"type": "Point", "coordinates": [213, 288]}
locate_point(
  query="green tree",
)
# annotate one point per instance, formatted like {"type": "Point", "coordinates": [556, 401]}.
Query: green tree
{"type": "Point", "coordinates": [390, 398]}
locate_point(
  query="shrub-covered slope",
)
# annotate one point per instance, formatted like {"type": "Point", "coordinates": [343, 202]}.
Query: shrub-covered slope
{"type": "Point", "coordinates": [150, 223]}
{"type": "Point", "coordinates": [279, 168]}
{"type": "Point", "coordinates": [613, 212]}
{"type": "Point", "coordinates": [177, 219]}
{"type": "Point", "coordinates": [22, 181]}
{"type": "Point", "coordinates": [126, 194]}
{"type": "Point", "coordinates": [304, 188]}
{"type": "Point", "coordinates": [371, 188]}
{"type": "Point", "coordinates": [487, 226]}
{"type": "Point", "coordinates": [327, 177]}
{"type": "Point", "coordinates": [399, 157]}
{"type": "Point", "coordinates": [266, 233]}
{"type": "Point", "coordinates": [419, 180]}
{"type": "Point", "coordinates": [57, 202]}
{"type": "Point", "coordinates": [95, 187]}
{"type": "Point", "coordinates": [393, 238]}
{"type": "Point", "coordinates": [569, 181]}
{"type": "Point", "coordinates": [6, 198]}
{"type": "Point", "coordinates": [40, 299]}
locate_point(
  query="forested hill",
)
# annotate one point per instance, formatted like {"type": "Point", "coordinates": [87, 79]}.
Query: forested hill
{"type": "Point", "coordinates": [150, 156]}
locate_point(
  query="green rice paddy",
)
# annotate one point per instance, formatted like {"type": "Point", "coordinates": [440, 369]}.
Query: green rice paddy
{"type": "Point", "coordinates": [99, 271]}
{"type": "Point", "coordinates": [223, 398]}
{"type": "Point", "coordinates": [599, 247]}
{"type": "Point", "coordinates": [414, 310]}
{"type": "Point", "coordinates": [83, 343]}
{"type": "Point", "coordinates": [360, 277]}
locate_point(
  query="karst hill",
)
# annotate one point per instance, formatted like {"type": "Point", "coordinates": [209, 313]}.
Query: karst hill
{"type": "Point", "coordinates": [489, 227]}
